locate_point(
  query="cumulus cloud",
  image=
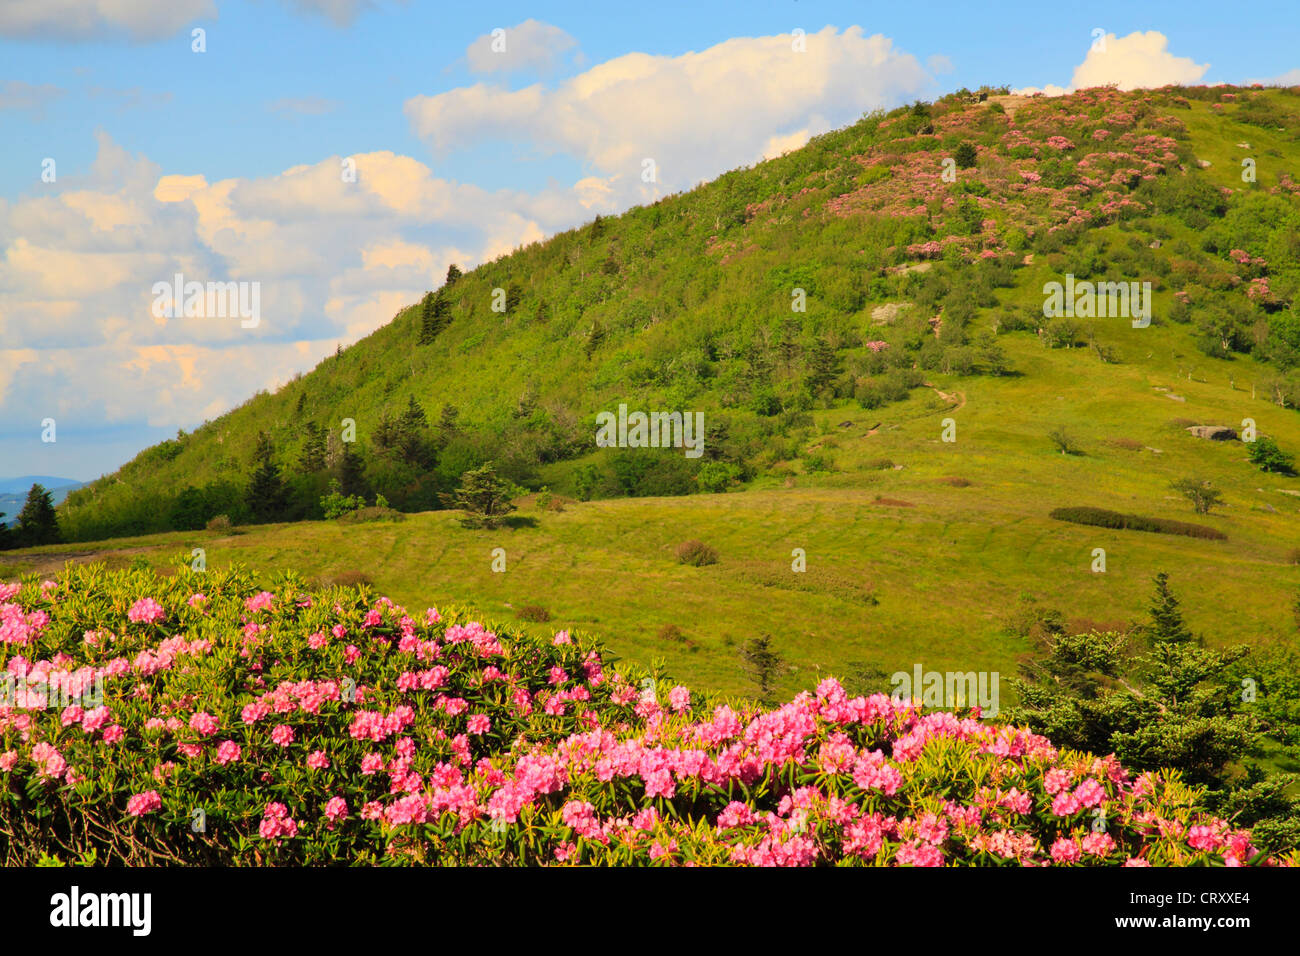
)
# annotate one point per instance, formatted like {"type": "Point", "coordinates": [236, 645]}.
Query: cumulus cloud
{"type": "Point", "coordinates": [94, 19]}
{"type": "Point", "coordinates": [1137, 61]}
{"type": "Point", "coordinates": [333, 261]}
{"type": "Point", "coordinates": [531, 45]}
{"type": "Point", "coordinates": [336, 256]}
{"type": "Point", "coordinates": [1289, 78]}
{"type": "Point", "coordinates": [695, 115]}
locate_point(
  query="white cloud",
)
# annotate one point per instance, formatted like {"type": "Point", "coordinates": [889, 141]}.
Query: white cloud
{"type": "Point", "coordinates": [1289, 78]}
{"type": "Point", "coordinates": [336, 259]}
{"type": "Point", "coordinates": [695, 115]}
{"type": "Point", "coordinates": [531, 45]}
{"type": "Point", "coordinates": [93, 19]}
{"type": "Point", "coordinates": [1136, 61]}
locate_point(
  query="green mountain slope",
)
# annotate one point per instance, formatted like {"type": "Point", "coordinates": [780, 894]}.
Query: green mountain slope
{"type": "Point", "coordinates": [905, 278]}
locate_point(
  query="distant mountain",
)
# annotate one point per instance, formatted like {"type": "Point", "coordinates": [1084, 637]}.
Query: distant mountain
{"type": "Point", "coordinates": [23, 484]}
{"type": "Point", "coordinates": [13, 492]}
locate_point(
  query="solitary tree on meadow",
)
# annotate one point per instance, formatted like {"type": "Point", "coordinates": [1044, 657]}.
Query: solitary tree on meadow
{"type": "Point", "coordinates": [1199, 492]}
{"type": "Point", "coordinates": [484, 497]}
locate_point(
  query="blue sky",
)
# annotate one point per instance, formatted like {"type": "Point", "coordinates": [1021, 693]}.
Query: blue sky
{"type": "Point", "coordinates": [221, 164]}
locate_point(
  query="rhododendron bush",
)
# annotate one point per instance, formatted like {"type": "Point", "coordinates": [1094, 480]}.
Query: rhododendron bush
{"type": "Point", "coordinates": [198, 718]}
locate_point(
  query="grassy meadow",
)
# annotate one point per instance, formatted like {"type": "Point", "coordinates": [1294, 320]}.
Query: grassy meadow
{"type": "Point", "coordinates": [904, 565]}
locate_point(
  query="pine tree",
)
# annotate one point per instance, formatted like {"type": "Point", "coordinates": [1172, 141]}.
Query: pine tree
{"type": "Point", "coordinates": [37, 522]}
{"type": "Point", "coordinates": [788, 346]}
{"type": "Point", "coordinates": [312, 457]}
{"type": "Point", "coordinates": [821, 366]}
{"type": "Point", "coordinates": [484, 497]}
{"type": "Point", "coordinates": [763, 664]}
{"type": "Point", "coordinates": [514, 295]}
{"type": "Point", "coordinates": [448, 426]}
{"type": "Point", "coordinates": [267, 496]}
{"type": "Point", "coordinates": [427, 328]}
{"type": "Point", "coordinates": [413, 443]}
{"type": "Point", "coordinates": [1167, 625]}
{"type": "Point", "coordinates": [441, 311]}
{"type": "Point", "coordinates": [352, 479]}
{"type": "Point", "coordinates": [5, 535]}
{"type": "Point", "coordinates": [453, 273]}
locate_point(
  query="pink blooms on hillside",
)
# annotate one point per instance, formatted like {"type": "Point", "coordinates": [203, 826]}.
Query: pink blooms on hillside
{"type": "Point", "coordinates": [141, 803]}
{"type": "Point", "coordinates": [477, 735]}
{"type": "Point", "coordinates": [146, 611]}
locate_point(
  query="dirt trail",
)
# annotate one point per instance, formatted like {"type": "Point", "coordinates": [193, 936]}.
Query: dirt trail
{"type": "Point", "coordinates": [957, 398]}
{"type": "Point", "coordinates": [52, 561]}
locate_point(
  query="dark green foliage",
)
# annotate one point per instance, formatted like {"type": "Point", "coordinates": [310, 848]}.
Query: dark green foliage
{"type": "Point", "coordinates": [1265, 453]}
{"type": "Point", "coordinates": [1102, 518]}
{"type": "Point", "coordinates": [37, 523]}
{"type": "Point", "coordinates": [268, 497]}
{"type": "Point", "coordinates": [1167, 624]}
{"type": "Point", "coordinates": [435, 315]}
{"type": "Point", "coordinates": [1177, 704]}
{"type": "Point", "coordinates": [763, 663]}
{"type": "Point", "coordinates": [352, 480]}
{"type": "Point", "coordinates": [453, 273]}
{"type": "Point", "coordinates": [965, 155]}
{"type": "Point", "coordinates": [312, 457]}
{"type": "Point", "coordinates": [484, 497]}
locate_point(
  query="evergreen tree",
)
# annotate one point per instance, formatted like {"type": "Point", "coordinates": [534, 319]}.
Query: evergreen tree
{"type": "Point", "coordinates": [267, 496]}
{"type": "Point", "coordinates": [413, 443]}
{"type": "Point", "coordinates": [299, 409]}
{"type": "Point", "coordinates": [514, 295]}
{"type": "Point", "coordinates": [427, 329]}
{"type": "Point", "coordinates": [6, 537]}
{"type": "Point", "coordinates": [453, 273]}
{"type": "Point", "coordinates": [312, 457]}
{"type": "Point", "coordinates": [484, 497]}
{"type": "Point", "coordinates": [435, 315]}
{"type": "Point", "coordinates": [352, 479]}
{"type": "Point", "coordinates": [763, 664]}
{"type": "Point", "coordinates": [821, 366]}
{"type": "Point", "coordinates": [37, 522]}
{"type": "Point", "coordinates": [448, 426]}
{"type": "Point", "coordinates": [789, 345]}
{"type": "Point", "coordinates": [441, 311]}
{"type": "Point", "coordinates": [1166, 619]}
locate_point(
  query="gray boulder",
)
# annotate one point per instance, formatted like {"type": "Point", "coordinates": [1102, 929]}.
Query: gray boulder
{"type": "Point", "coordinates": [1213, 432]}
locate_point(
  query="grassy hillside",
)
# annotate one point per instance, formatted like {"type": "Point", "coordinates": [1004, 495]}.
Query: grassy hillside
{"type": "Point", "coordinates": [906, 278]}
{"type": "Point", "coordinates": [934, 571]}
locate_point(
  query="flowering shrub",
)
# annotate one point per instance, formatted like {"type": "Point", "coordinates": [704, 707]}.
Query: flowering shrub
{"type": "Point", "coordinates": [282, 726]}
